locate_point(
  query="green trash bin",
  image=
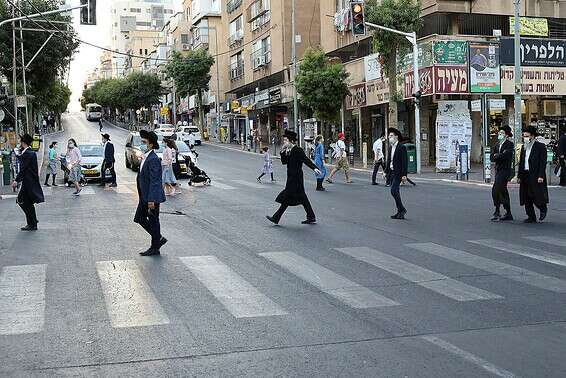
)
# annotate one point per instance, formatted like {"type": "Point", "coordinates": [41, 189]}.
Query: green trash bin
{"type": "Point", "coordinates": [411, 158]}
{"type": "Point", "coordinates": [6, 164]}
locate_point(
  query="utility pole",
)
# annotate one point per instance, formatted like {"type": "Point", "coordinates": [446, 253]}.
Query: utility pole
{"type": "Point", "coordinates": [24, 83]}
{"type": "Point", "coordinates": [15, 77]}
{"type": "Point", "coordinates": [517, 40]}
{"type": "Point", "coordinates": [294, 63]}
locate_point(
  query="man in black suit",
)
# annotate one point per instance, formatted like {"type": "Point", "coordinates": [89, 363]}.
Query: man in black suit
{"type": "Point", "coordinates": [502, 155]}
{"type": "Point", "coordinates": [396, 169]}
{"type": "Point", "coordinates": [533, 190]}
{"type": "Point", "coordinates": [150, 192]}
{"type": "Point", "coordinates": [30, 192]}
{"type": "Point", "coordinates": [108, 162]}
{"type": "Point", "coordinates": [562, 158]}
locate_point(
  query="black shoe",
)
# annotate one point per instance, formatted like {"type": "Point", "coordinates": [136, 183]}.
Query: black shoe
{"type": "Point", "coordinates": [374, 183]}
{"type": "Point", "coordinates": [506, 217]}
{"type": "Point", "coordinates": [46, 184]}
{"type": "Point", "coordinates": [320, 189]}
{"type": "Point", "coordinates": [496, 217]}
{"type": "Point", "coordinates": [113, 185]}
{"type": "Point", "coordinates": [54, 184]}
{"type": "Point", "coordinates": [272, 220]}
{"type": "Point", "coordinates": [150, 252]}
{"type": "Point", "coordinates": [309, 221]}
{"type": "Point", "coordinates": [399, 215]}
{"type": "Point", "coordinates": [542, 216]}
{"type": "Point", "coordinates": [162, 241]}
{"type": "Point", "coordinates": [29, 228]}
{"type": "Point", "coordinates": [530, 220]}
{"type": "Point", "coordinates": [388, 185]}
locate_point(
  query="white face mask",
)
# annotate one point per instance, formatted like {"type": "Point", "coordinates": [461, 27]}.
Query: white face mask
{"type": "Point", "coordinates": [500, 137]}
{"type": "Point", "coordinates": [392, 140]}
{"type": "Point", "coordinates": [527, 140]}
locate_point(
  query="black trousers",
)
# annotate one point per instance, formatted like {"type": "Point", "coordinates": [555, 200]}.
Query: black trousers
{"type": "Point", "coordinates": [500, 195]}
{"type": "Point", "coordinates": [149, 220]}
{"type": "Point", "coordinates": [395, 181]}
{"type": "Point", "coordinates": [376, 166]}
{"type": "Point", "coordinates": [530, 207]}
{"type": "Point", "coordinates": [110, 167]}
{"type": "Point", "coordinates": [307, 206]}
{"type": "Point", "coordinates": [562, 172]}
{"type": "Point", "coordinates": [29, 210]}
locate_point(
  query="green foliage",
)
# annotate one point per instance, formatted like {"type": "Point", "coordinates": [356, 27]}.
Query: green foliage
{"type": "Point", "coordinates": [55, 97]}
{"type": "Point", "coordinates": [403, 15]}
{"type": "Point", "coordinates": [322, 85]}
{"type": "Point", "coordinates": [191, 72]}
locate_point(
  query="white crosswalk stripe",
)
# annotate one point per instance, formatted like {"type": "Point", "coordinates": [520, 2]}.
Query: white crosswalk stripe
{"type": "Point", "coordinates": [22, 299]}
{"type": "Point", "coordinates": [239, 297]}
{"type": "Point", "coordinates": [122, 189]}
{"type": "Point", "coordinates": [548, 240]}
{"type": "Point", "coordinates": [47, 191]}
{"type": "Point", "coordinates": [429, 279]}
{"type": "Point", "coordinates": [87, 190]}
{"type": "Point", "coordinates": [522, 250]}
{"type": "Point", "coordinates": [254, 185]}
{"type": "Point", "coordinates": [505, 270]}
{"type": "Point", "coordinates": [217, 184]}
{"type": "Point", "coordinates": [339, 287]}
{"type": "Point", "coordinates": [129, 300]}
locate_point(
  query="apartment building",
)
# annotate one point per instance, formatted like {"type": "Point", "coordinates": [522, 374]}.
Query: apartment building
{"type": "Point", "coordinates": [452, 34]}
{"type": "Point", "coordinates": [140, 45]}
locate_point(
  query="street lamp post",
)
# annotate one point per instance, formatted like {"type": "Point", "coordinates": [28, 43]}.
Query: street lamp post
{"type": "Point", "coordinates": [517, 42]}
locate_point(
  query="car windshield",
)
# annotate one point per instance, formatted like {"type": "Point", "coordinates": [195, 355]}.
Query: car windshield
{"type": "Point", "coordinates": [95, 109]}
{"type": "Point", "coordinates": [90, 150]}
{"type": "Point", "coordinates": [166, 126]}
{"type": "Point", "coordinates": [182, 147]}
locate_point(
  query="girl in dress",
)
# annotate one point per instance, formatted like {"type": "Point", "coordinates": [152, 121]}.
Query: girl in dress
{"type": "Point", "coordinates": [267, 165]}
{"type": "Point", "coordinates": [168, 176]}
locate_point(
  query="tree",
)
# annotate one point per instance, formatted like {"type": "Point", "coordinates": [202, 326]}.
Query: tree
{"type": "Point", "coordinates": [140, 90]}
{"type": "Point", "coordinates": [403, 15]}
{"type": "Point", "coordinates": [322, 85]}
{"type": "Point", "coordinates": [55, 98]}
{"type": "Point", "coordinates": [191, 74]}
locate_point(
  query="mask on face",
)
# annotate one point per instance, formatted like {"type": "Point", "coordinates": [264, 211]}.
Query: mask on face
{"type": "Point", "coordinates": [71, 145]}
{"type": "Point", "coordinates": [392, 140]}
{"type": "Point", "coordinates": [143, 147]}
{"type": "Point", "coordinates": [527, 140]}
{"type": "Point", "coordinates": [500, 137]}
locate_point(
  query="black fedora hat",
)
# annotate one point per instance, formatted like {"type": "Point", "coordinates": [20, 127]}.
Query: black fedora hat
{"type": "Point", "coordinates": [27, 139]}
{"type": "Point", "coordinates": [106, 136]}
{"type": "Point", "coordinates": [291, 135]}
{"type": "Point", "coordinates": [150, 136]}
{"type": "Point", "coordinates": [531, 130]}
{"type": "Point", "coordinates": [395, 131]}
{"type": "Point", "coordinates": [507, 130]}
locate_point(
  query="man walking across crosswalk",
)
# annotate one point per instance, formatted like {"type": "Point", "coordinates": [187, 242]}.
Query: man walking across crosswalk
{"type": "Point", "coordinates": [151, 194]}
{"type": "Point", "coordinates": [397, 165]}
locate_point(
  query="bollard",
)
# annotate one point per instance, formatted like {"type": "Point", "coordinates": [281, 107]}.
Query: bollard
{"type": "Point", "coordinates": [365, 154]}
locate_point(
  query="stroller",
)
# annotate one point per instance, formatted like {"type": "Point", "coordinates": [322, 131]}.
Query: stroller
{"type": "Point", "coordinates": [196, 175]}
{"type": "Point", "coordinates": [66, 171]}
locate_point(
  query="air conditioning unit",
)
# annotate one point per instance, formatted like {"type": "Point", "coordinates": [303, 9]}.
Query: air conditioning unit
{"type": "Point", "coordinates": [552, 108]}
{"type": "Point", "coordinates": [186, 46]}
{"type": "Point", "coordinates": [259, 61]}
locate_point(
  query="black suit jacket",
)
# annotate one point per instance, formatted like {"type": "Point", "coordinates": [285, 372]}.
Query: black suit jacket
{"type": "Point", "coordinates": [562, 146]}
{"type": "Point", "coordinates": [30, 192]}
{"type": "Point", "coordinates": [109, 153]}
{"type": "Point", "coordinates": [400, 161]}
{"type": "Point", "coordinates": [503, 159]}
{"type": "Point", "coordinates": [529, 180]}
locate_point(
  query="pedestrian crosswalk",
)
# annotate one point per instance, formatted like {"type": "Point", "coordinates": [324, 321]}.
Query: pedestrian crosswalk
{"type": "Point", "coordinates": [130, 300]}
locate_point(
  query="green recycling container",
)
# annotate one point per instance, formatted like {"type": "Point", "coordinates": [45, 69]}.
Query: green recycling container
{"type": "Point", "coordinates": [411, 158]}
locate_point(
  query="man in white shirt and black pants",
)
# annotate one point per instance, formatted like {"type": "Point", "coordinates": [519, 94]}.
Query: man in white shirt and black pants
{"type": "Point", "coordinates": [397, 165]}
{"type": "Point", "coordinates": [378, 158]}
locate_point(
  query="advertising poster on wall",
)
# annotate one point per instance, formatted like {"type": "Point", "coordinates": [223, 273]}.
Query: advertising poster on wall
{"type": "Point", "coordinates": [539, 52]}
{"type": "Point", "coordinates": [453, 129]}
{"type": "Point", "coordinates": [451, 79]}
{"type": "Point", "coordinates": [426, 82]}
{"type": "Point", "coordinates": [535, 81]}
{"type": "Point", "coordinates": [485, 74]}
{"type": "Point", "coordinates": [451, 52]}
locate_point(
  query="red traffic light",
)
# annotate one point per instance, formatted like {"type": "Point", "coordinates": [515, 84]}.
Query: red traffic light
{"type": "Point", "coordinates": [358, 18]}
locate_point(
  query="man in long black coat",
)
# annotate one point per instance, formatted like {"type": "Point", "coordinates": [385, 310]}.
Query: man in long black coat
{"type": "Point", "coordinates": [294, 193]}
{"type": "Point", "coordinates": [30, 192]}
{"type": "Point", "coordinates": [502, 155]}
{"type": "Point", "coordinates": [396, 169]}
{"type": "Point", "coordinates": [562, 158]}
{"type": "Point", "coordinates": [533, 190]}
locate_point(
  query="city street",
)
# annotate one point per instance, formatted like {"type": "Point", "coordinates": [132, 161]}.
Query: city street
{"type": "Point", "coordinates": [445, 293]}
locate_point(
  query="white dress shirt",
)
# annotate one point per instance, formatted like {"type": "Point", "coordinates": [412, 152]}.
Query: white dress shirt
{"type": "Point", "coordinates": [393, 148]}
{"type": "Point", "coordinates": [378, 149]}
{"type": "Point", "coordinates": [528, 149]}
{"type": "Point", "coordinates": [144, 157]}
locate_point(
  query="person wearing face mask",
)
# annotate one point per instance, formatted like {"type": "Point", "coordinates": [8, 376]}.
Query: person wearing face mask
{"type": "Point", "coordinates": [52, 165]}
{"type": "Point", "coordinates": [108, 162]}
{"type": "Point", "coordinates": [150, 192]}
{"type": "Point", "coordinates": [533, 190]}
{"type": "Point", "coordinates": [74, 161]}
{"type": "Point", "coordinates": [294, 193]}
{"type": "Point", "coordinates": [396, 169]}
{"type": "Point", "coordinates": [319, 161]}
{"type": "Point", "coordinates": [502, 156]}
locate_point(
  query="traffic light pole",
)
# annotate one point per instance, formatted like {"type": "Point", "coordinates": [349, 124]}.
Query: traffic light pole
{"type": "Point", "coordinates": [518, 102]}
{"type": "Point", "coordinates": [41, 14]}
{"type": "Point", "coordinates": [411, 37]}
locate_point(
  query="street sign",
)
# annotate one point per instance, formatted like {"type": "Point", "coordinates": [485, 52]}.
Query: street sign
{"type": "Point", "coordinates": [476, 105]}
{"type": "Point", "coordinates": [2, 115]}
{"type": "Point", "coordinates": [21, 101]}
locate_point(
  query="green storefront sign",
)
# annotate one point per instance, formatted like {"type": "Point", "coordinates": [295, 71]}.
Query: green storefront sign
{"type": "Point", "coordinates": [405, 63]}
{"type": "Point", "coordinates": [450, 52]}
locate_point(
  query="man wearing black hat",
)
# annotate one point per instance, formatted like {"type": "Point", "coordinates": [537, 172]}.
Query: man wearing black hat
{"type": "Point", "coordinates": [533, 190]}
{"type": "Point", "coordinates": [562, 158]}
{"type": "Point", "coordinates": [108, 162]}
{"type": "Point", "coordinates": [502, 155]}
{"type": "Point", "coordinates": [150, 192]}
{"type": "Point", "coordinates": [396, 169]}
{"type": "Point", "coordinates": [30, 192]}
{"type": "Point", "coordinates": [294, 193]}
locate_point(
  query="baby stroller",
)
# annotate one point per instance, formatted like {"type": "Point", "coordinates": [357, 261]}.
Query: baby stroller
{"type": "Point", "coordinates": [196, 175]}
{"type": "Point", "coordinates": [66, 171]}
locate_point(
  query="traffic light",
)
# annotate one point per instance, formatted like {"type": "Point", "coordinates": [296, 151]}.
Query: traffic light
{"type": "Point", "coordinates": [88, 13]}
{"type": "Point", "coordinates": [358, 18]}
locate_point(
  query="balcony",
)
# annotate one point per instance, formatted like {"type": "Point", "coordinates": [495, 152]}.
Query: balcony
{"type": "Point", "coordinates": [236, 70]}
{"type": "Point", "coordinates": [236, 37]}
{"type": "Point", "coordinates": [261, 57]}
{"type": "Point", "coordinates": [232, 5]}
{"type": "Point", "coordinates": [200, 38]}
{"type": "Point", "coordinates": [257, 9]}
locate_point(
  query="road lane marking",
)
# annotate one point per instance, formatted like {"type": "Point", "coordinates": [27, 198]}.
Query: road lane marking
{"type": "Point", "coordinates": [478, 361]}
{"type": "Point", "coordinates": [87, 190]}
{"type": "Point", "coordinates": [548, 240]}
{"type": "Point", "coordinates": [429, 279]}
{"type": "Point", "coordinates": [239, 297]}
{"type": "Point", "coordinates": [122, 189]}
{"type": "Point", "coordinates": [254, 185]}
{"type": "Point", "coordinates": [505, 270]}
{"type": "Point", "coordinates": [521, 250]}
{"type": "Point", "coordinates": [47, 191]}
{"type": "Point", "coordinates": [351, 293]}
{"type": "Point", "coordinates": [22, 299]}
{"type": "Point", "coordinates": [129, 300]}
{"type": "Point", "coordinates": [222, 186]}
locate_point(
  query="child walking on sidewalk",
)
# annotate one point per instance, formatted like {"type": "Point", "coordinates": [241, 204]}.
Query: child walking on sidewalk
{"type": "Point", "coordinates": [267, 165]}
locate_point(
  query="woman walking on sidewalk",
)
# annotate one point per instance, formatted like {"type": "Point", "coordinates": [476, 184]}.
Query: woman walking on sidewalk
{"type": "Point", "coordinates": [53, 156]}
{"type": "Point", "coordinates": [267, 165]}
{"type": "Point", "coordinates": [167, 167]}
{"type": "Point", "coordinates": [319, 162]}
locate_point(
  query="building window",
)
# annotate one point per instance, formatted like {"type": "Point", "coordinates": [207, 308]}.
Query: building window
{"type": "Point", "coordinates": [145, 51]}
{"type": "Point", "coordinates": [141, 51]}
{"type": "Point", "coordinates": [143, 23]}
{"type": "Point", "coordinates": [236, 66]}
{"type": "Point", "coordinates": [261, 53]}
{"type": "Point", "coordinates": [184, 38]}
{"type": "Point", "coordinates": [236, 30]}
{"type": "Point", "coordinates": [135, 10]}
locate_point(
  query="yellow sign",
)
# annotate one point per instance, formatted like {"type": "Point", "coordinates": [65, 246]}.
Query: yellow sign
{"type": "Point", "coordinates": [164, 111]}
{"type": "Point", "coordinates": [530, 26]}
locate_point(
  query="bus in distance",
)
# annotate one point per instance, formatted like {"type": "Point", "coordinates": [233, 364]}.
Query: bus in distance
{"type": "Point", "coordinates": [93, 112]}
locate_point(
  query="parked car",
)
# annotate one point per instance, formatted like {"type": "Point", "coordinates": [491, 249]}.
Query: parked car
{"type": "Point", "coordinates": [91, 161]}
{"type": "Point", "coordinates": [165, 129]}
{"type": "Point", "coordinates": [183, 134]}
{"type": "Point", "coordinates": [134, 153]}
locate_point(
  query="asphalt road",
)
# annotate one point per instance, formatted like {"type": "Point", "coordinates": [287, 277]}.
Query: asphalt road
{"type": "Point", "coordinates": [444, 293]}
